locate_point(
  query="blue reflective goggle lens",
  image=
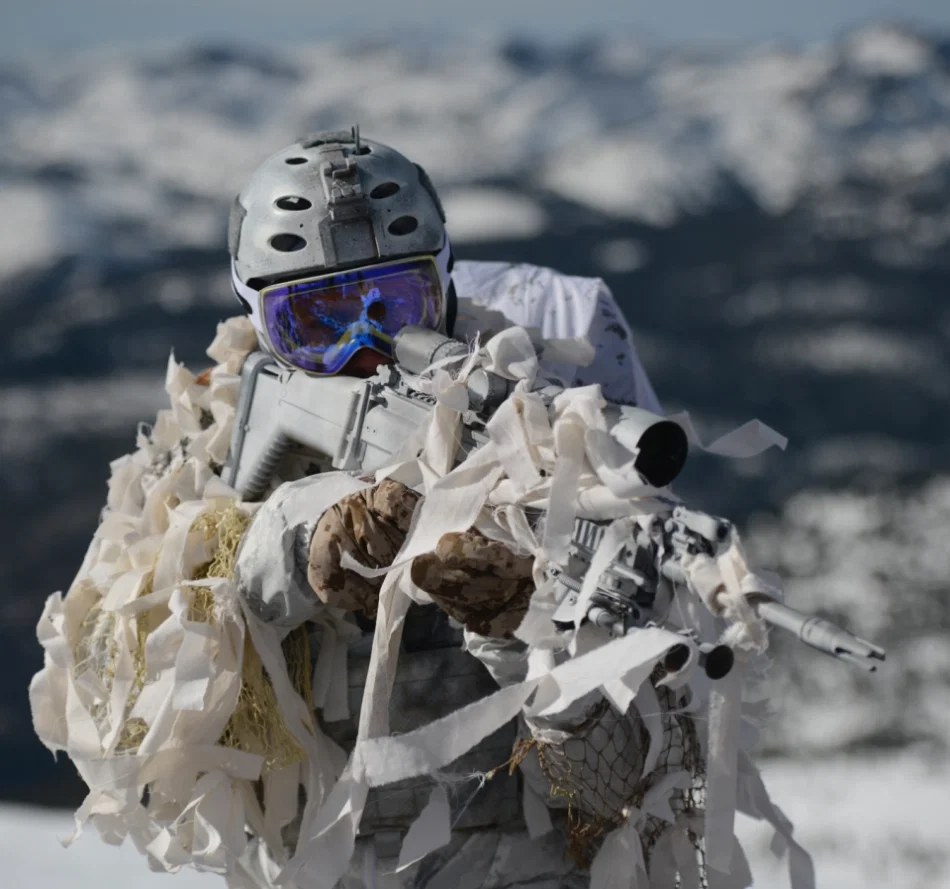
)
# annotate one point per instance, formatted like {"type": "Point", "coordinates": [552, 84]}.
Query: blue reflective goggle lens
{"type": "Point", "coordinates": [320, 323]}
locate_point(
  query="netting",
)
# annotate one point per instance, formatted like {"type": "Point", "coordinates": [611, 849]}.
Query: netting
{"type": "Point", "coordinates": [682, 751]}
{"type": "Point", "coordinates": [256, 725]}
{"type": "Point", "coordinates": [597, 772]}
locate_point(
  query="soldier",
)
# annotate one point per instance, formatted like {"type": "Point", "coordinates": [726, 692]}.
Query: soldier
{"type": "Point", "coordinates": [336, 244]}
{"type": "Point", "coordinates": [177, 666]}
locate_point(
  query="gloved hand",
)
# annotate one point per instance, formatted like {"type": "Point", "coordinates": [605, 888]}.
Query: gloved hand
{"type": "Point", "coordinates": [370, 525]}
{"type": "Point", "coordinates": [477, 581]}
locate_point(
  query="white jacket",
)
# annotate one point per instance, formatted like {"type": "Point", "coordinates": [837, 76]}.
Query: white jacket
{"type": "Point", "coordinates": [575, 322]}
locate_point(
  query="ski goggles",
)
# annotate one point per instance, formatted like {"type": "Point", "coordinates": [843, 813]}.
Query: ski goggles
{"type": "Point", "coordinates": [318, 324]}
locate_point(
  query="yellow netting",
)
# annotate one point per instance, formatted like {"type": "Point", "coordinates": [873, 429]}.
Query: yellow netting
{"type": "Point", "coordinates": [256, 726]}
{"type": "Point", "coordinates": [135, 728]}
{"type": "Point", "coordinates": [96, 652]}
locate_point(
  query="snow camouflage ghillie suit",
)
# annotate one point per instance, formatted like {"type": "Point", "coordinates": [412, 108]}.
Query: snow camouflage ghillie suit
{"type": "Point", "coordinates": [180, 666]}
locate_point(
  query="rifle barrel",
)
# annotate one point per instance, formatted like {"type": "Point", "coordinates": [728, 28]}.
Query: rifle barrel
{"type": "Point", "coordinates": [821, 634]}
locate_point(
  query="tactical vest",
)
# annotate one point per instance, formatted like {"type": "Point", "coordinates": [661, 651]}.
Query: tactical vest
{"type": "Point", "coordinates": [434, 677]}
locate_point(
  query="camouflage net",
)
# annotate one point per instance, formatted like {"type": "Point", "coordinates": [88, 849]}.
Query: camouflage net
{"type": "Point", "coordinates": [682, 751]}
{"type": "Point", "coordinates": [256, 725]}
{"type": "Point", "coordinates": [597, 772]}
{"type": "Point", "coordinates": [96, 654]}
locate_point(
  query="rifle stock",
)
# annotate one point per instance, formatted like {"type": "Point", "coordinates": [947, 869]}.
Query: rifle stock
{"type": "Point", "coordinates": [355, 424]}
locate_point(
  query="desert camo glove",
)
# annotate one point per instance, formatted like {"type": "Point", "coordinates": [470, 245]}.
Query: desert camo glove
{"type": "Point", "coordinates": [479, 582]}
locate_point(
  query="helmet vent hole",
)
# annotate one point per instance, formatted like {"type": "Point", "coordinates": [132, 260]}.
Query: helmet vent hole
{"type": "Point", "coordinates": [384, 190]}
{"type": "Point", "coordinates": [293, 202]}
{"type": "Point", "coordinates": [295, 160]}
{"type": "Point", "coordinates": [287, 243]}
{"type": "Point", "coordinates": [404, 225]}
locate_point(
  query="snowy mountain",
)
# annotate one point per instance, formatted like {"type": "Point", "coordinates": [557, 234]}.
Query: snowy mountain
{"type": "Point", "coordinates": [121, 155]}
{"type": "Point", "coordinates": [774, 222]}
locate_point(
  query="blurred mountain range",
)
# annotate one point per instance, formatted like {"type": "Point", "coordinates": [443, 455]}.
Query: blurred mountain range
{"type": "Point", "coordinates": [774, 223]}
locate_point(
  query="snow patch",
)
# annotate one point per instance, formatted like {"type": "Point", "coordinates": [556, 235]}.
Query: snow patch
{"type": "Point", "coordinates": [851, 349]}
{"type": "Point", "coordinates": [29, 231]}
{"type": "Point", "coordinates": [887, 51]}
{"type": "Point", "coordinates": [869, 823]}
{"type": "Point", "coordinates": [849, 453]}
{"type": "Point", "coordinates": [622, 255]}
{"type": "Point", "coordinates": [623, 57]}
{"type": "Point", "coordinates": [32, 855]}
{"type": "Point", "coordinates": [37, 414]}
{"type": "Point", "coordinates": [876, 563]}
{"type": "Point", "coordinates": [805, 297]}
{"type": "Point", "coordinates": [491, 214]}
{"type": "Point", "coordinates": [633, 176]}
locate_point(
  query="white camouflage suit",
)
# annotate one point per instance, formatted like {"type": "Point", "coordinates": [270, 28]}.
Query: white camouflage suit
{"type": "Point", "coordinates": [582, 338]}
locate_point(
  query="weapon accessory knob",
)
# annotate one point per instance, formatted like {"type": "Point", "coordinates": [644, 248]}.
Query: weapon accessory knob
{"type": "Point", "coordinates": [717, 661]}
{"type": "Point", "coordinates": [676, 658]}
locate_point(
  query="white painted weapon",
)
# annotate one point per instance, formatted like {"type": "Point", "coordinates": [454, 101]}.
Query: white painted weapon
{"type": "Point", "coordinates": [362, 424]}
{"type": "Point", "coordinates": [356, 424]}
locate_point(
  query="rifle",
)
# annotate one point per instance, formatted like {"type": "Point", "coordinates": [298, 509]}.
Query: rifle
{"type": "Point", "coordinates": [354, 424]}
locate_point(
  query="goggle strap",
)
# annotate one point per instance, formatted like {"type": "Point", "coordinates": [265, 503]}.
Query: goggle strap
{"type": "Point", "coordinates": [249, 296]}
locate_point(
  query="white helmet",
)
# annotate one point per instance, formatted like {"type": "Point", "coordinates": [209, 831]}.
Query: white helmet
{"type": "Point", "coordinates": [344, 237]}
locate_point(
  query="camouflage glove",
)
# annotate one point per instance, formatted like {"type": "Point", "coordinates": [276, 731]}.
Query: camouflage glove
{"type": "Point", "coordinates": [370, 525]}
{"type": "Point", "coordinates": [477, 581]}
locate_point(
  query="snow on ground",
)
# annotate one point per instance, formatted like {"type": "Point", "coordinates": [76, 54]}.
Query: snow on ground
{"type": "Point", "coordinates": [621, 255]}
{"type": "Point", "coordinates": [637, 174]}
{"type": "Point", "coordinates": [32, 857]}
{"type": "Point", "coordinates": [870, 823]}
